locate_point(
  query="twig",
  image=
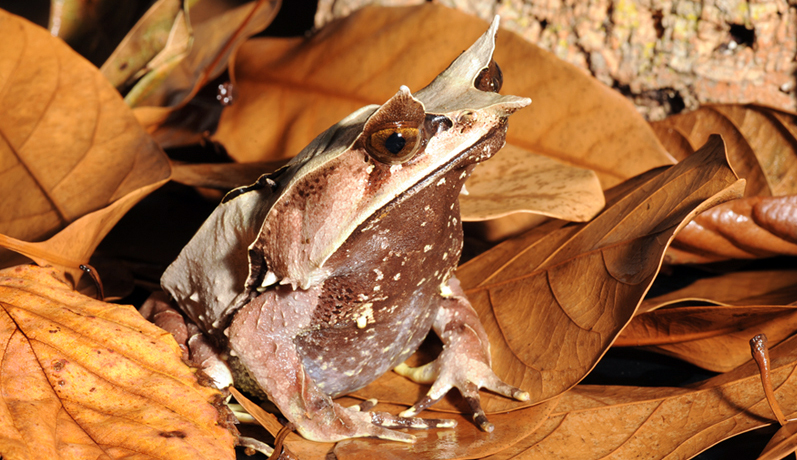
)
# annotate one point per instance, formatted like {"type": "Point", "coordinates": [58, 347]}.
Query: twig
{"type": "Point", "coordinates": [758, 348]}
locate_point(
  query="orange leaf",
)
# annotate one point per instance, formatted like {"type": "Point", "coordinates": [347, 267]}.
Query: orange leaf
{"type": "Point", "coordinates": [620, 422]}
{"type": "Point", "coordinates": [748, 228]}
{"type": "Point", "coordinates": [764, 287]}
{"type": "Point", "coordinates": [82, 379]}
{"type": "Point", "coordinates": [71, 146]}
{"type": "Point", "coordinates": [716, 338]}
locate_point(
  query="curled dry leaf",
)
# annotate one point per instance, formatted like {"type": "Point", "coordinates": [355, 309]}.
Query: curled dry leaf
{"type": "Point", "coordinates": [748, 228]}
{"type": "Point", "coordinates": [217, 29]}
{"type": "Point", "coordinates": [763, 150]}
{"type": "Point", "coordinates": [783, 443]}
{"type": "Point", "coordinates": [82, 379]}
{"type": "Point", "coordinates": [548, 326]}
{"type": "Point", "coordinates": [145, 40]}
{"type": "Point", "coordinates": [741, 288]}
{"type": "Point", "coordinates": [715, 338]}
{"type": "Point", "coordinates": [762, 143]}
{"type": "Point", "coordinates": [69, 143]}
{"type": "Point", "coordinates": [92, 28]}
{"type": "Point", "coordinates": [593, 422]}
{"type": "Point", "coordinates": [292, 89]}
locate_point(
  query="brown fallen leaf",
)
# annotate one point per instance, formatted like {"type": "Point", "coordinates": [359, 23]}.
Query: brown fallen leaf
{"type": "Point", "coordinates": [497, 189]}
{"type": "Point", "coordinates": [69, 144]}
{"type": "Point", "coordinates": [715, 337]}
{"type": "Point", "coordinates": [783, 443]}
{"type": "Point", "coordinates": [620, 422]}
{"type": "Point", "coordinates": [71, 248]}
{"type": "Point", "coordinates": [145, 40]}
{"type": "Point", "coordinates": [92, 28]}
{"type": "Point", "coordinates": [762, 146]}
{"type": "Point", "coordinates": [553, 309]}
{"type": "Point", "coordinates": [763, 150]}
{"type": "Point", "coordinates": [758, 287]}
{"type": "Point", "coordinates": [292, 89]}
{"type": "Point", "coordinates": [217, 29]}
{"type": "Point", "coordinates": [748, 228]}
{"type": "Point", "coordinates": [80, 378]}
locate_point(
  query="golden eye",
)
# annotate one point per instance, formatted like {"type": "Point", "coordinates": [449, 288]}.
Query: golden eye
{"type": "Point", "coordinates": [393, 145]}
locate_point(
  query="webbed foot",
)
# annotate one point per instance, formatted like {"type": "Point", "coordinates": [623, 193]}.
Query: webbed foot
{"type": "Point", "coordinates": [466, 374]}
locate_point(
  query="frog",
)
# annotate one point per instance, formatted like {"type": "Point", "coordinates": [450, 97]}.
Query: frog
{"type": "Point", "coordinates": [324, 275]}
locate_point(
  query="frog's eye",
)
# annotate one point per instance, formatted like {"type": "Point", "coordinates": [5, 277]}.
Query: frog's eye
{"type": "Point", "coordinates": [490, 78]}
{"type": "Point", "coordinates": [393, 145]}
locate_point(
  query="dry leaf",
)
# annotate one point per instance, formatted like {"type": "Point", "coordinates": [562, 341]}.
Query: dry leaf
{"type": "Point", "coordinates": [620, 422]}
{"type": "Point", "coordinates": [761, 287]}
{"type": "Point", "coordinates": [93, 27]}
{"type": "Point", "coordinates": [145, 40]}
{"type": "Point", "coordinates": [552, 310]}
{"type": "Point", "coordinates": [499, 188]}
{"type": "Point", "coordinates": [217, 30]}
{"type": "Point", "coordinates": [716, 338]}
{"type": "Point", "coordinates": [73, 246]}
{"type": "Point", "coordinates": [82, 379]}
{"type": "Point", "coordinates": [762, 146]}
{"type": "Point", "coordinates": [749, 228]}
{"type": "Point", "coordinates": [761, 143]}
{"type": "Point", "coordinates": [783, 443]}
{"type": "Point", "coordinates": [69, 143]}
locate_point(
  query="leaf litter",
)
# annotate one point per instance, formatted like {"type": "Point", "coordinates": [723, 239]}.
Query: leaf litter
{"type": "Point", "coordinates": [619, 252]}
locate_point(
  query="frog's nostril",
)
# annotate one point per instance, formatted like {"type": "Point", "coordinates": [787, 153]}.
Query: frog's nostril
{"type": "Point", "coordinates": [467, 118]}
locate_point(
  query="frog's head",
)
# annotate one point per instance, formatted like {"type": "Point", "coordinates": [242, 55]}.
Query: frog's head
{"type": "Point", "coordinates": [376, 155]}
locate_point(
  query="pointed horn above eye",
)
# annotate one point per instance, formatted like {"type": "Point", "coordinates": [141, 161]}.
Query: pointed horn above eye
{"type": "Point", "coordinates": [454, 88]}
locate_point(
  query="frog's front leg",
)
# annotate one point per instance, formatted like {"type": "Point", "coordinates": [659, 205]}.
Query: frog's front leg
{"type": "Point", "coordinates": [261, 337]}
{"type": "Point", "coordinates": [464, 363]}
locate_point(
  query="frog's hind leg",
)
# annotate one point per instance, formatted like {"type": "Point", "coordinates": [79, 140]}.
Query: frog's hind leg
{"type": "Point", "coordinates": [261, 337]}
{"type": "Point", "coordinates": [464, 363]}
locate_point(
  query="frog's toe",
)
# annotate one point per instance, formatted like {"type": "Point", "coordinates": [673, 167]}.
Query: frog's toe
{"type": "Point", "coordinates": [364, 406]}
{"type": "Point", "coordinates": [387, 420]}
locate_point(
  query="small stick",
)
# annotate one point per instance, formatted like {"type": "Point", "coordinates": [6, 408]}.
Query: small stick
{"type": "Point", "coordinates": [279, 449]}
{"type": "Point", "coordinates": [758, 348]}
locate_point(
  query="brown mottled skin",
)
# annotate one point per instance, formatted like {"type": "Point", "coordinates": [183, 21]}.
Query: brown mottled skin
{"type": "Point", "coordinates": [353, 263]}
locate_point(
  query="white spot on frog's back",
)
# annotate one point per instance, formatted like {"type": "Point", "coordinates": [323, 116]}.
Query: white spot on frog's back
{"type": "Point", "coordinates": [427, 248]}
{"type": "Point", "coordinates": [441, 181]}
{"type": "Point", "coordinates": [397, 277]}
{"type": "Point", "coordinates": [379, 274]}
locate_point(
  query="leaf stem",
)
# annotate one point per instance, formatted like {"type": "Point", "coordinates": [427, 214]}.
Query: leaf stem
{"type": "Point", "coordinates": [760, 352]}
